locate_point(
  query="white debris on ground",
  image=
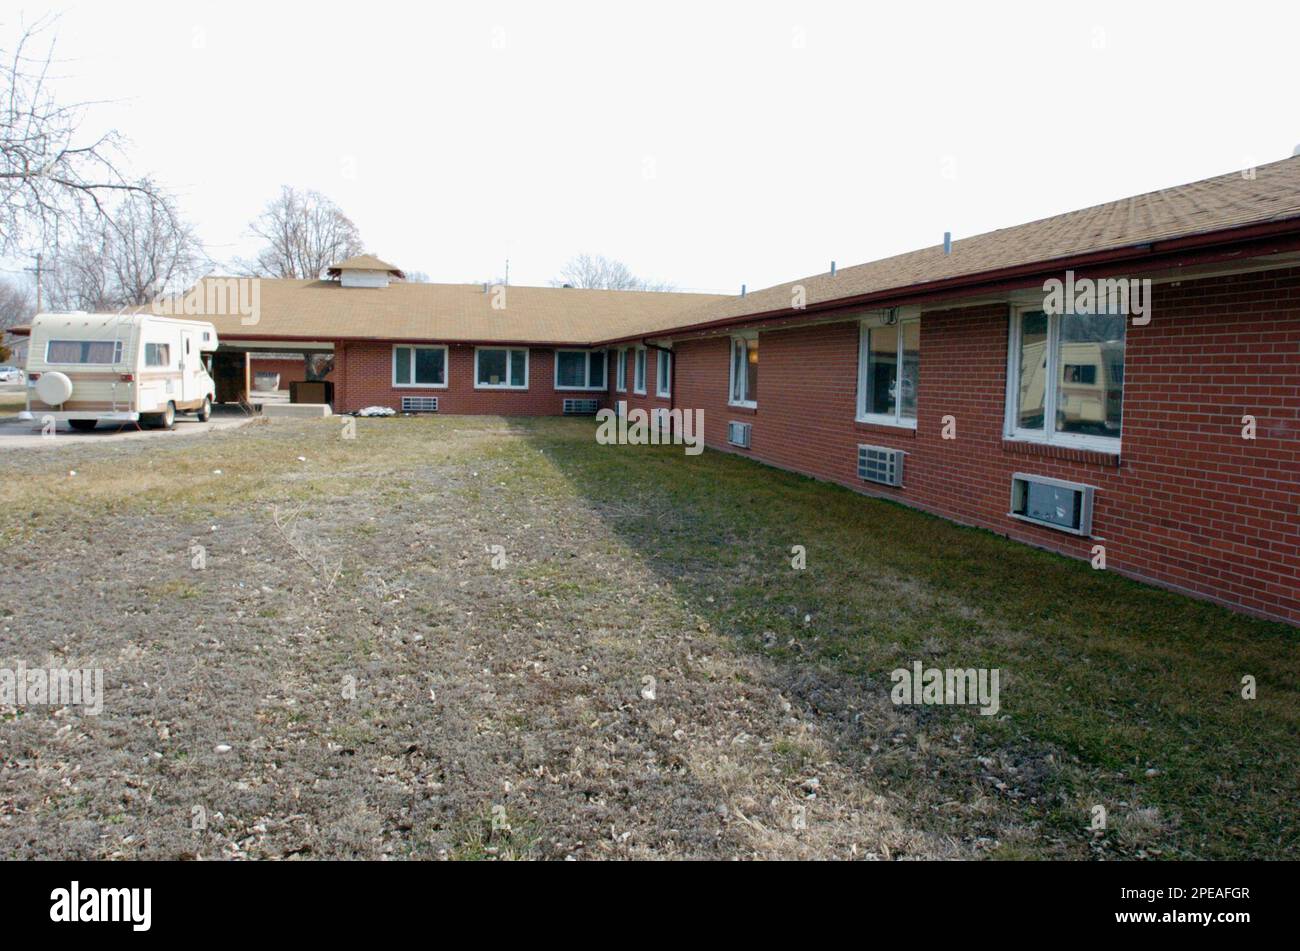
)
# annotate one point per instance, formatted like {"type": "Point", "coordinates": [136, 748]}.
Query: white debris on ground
{"type": "Point", "coordinates": [375, 411]}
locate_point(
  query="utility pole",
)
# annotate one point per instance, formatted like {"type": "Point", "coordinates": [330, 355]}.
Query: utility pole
{"type": "Point", "coordinates": [37, 271]}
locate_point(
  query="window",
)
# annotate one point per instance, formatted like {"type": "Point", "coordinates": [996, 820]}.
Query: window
{"type": "Point", "coordinates": [105, 352]}
{"type": "Point", "coordinates": [420, 366]}
{"type": "Point", "coordinates": [744, 370]}
{"type": "Point", "coordinates": [663, 373]}
{"type": "Point", "coordinates": [889, 364]}
{"type": "Point", "coordinates": [621, 373]}
{"type": "Point", "coordinates": [638, 374]}
{"type": "Point", "coordinates": [500, 368]}
{"type": "Point", "coordinates": [579, 369]}
{"type": "Point", "coordinates": [157, 355]}
{"type": "Point", "coordinates": [1065, 378]}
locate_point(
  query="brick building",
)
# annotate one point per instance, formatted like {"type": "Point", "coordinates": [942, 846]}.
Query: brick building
{"type": "Point", "coordinates": [1158, 418]}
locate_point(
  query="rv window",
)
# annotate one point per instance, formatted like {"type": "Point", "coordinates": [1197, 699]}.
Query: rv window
{"type": "Point", "coordinates": [157, 355]}
{"type": "Point", "coordinates": [105, 352]}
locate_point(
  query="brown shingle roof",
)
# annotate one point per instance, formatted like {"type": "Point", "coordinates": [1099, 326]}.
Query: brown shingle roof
{"type": "Point", "coordinates": [1213, 204]}
{"type": "Point", "coordinates": [324, 310]}
{"type": "Point", "coordinates": [315, 310]}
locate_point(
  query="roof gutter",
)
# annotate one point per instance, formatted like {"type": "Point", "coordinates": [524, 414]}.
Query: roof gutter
{"type": "Point", "coordinates": [1210, 247]}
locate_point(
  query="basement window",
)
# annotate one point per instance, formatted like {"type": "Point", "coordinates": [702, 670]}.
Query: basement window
{"type": "Point", "coordinates": [1065, 379]}
{"type": "Point", "coordinates": [580, 369]}
{"type": "Point", "coordinates": [744, 371]}
{"type": "Point", "coordinates": [500, 368]}
{"type": "Point", "coordinates": [889, 364]}
{"type": "Point", "coordinates": [420, 367]}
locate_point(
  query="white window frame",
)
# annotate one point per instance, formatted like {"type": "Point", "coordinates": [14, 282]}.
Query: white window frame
{"type": "Point", "coordinates": [638, 370]}
{"type": "Point", "coordinates": [745, 403]}
{"type": "Point", "coordinates": [1047, 435]}
{"type": "Point", "coordinates": [590, 387]}
{"type": "Point", "coordinates": [865, 326]}
{"type": "Point", "coordinates": [446, 366]}
{"type": "Point", "coordinates": [507, 385]}
{"type": "Point", "coordinates": [620, 373]}
{"type": "Point", "coordinates": [663, 358]}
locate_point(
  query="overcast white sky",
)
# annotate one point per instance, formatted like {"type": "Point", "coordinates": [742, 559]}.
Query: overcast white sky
{"type": "Point", "coordinates": [706, 144]}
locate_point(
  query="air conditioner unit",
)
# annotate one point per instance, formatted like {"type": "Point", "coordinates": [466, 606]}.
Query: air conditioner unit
{"type": "Point", "coordinates": [881, 464]}
{"type": "Point", "coordinates": [1065, 506]}
{"type": "Point", "coordinates": [581, 407]}
{"type": "Point", "coordinates": [738, 434]}
{"type": "Point", "coordinates": [419, 404]}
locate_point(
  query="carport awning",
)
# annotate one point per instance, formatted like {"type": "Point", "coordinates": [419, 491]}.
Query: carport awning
{"type": "Point", "coordinates": [237, 345]}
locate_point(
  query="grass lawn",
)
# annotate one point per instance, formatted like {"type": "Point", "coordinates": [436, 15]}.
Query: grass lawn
{"type": "Point", "coordinates": [11, 404]}
{"type": "Point", "coordinates": [641, 672]}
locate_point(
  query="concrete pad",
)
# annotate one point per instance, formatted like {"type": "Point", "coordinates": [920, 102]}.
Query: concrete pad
{"type": "Point", "coordinates": [296, 410]}
{"type": "Point", "coordinates": [26, 434]}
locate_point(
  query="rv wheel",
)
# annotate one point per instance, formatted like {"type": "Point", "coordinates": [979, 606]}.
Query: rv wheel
{"type": "Point", "coordinates": [205, 413]}
{"type": "Point", "coordinates": [168, 418]}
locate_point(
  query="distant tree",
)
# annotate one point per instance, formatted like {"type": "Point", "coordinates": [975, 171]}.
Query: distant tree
{"type": "Point", "coordinates": [140, 251]}
{"type": "Point", "coordinates": [17, 305]}
{"type": "Point", "coordinates": [416, 277]}
{"type": "Point", "coordinates": [50, 173]}
{"type": "Point", "coordinates": [305, 233]}
{"type": "Point", "coordinates": [598, 271]}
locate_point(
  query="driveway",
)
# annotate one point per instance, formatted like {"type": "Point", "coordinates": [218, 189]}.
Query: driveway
{"type": "Point", "coordinates": [25, 434]}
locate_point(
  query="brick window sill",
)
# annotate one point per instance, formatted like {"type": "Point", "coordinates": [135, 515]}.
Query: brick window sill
{"type": "Point", "coordinates": [1064, 453]}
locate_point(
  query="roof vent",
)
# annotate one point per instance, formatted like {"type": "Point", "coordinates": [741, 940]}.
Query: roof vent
{"type": "Point", "coordinates": [1295, 151]}
{"type": "Point", "coordinates": [947, 243]}
{"type": "Point", "coordinates": [832, 269]}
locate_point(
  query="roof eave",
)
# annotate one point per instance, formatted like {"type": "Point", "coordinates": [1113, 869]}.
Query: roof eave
{"type": "Point", "coordinates": [1206, 246]}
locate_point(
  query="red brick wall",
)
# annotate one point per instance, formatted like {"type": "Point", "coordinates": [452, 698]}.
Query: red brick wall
{"type": "Point", "coordinates": [647, 401]}
{"type": "Point", "coordinates": [364, 375]}
{"type": "Point", "coordinates": [1190, 505]}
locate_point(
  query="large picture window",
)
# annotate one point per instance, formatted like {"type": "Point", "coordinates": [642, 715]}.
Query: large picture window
{"type": "Point", "coordinates": [500, 368]}
{"type": "Point", "coordinates": [420, 366]}
{"type": "Point", "coordinates": [889, 365]}
{"type": "Point", "coordinates": [744, 371]}
{"type": "Point", "coordinates": [1065, 378]}
{"type": "Point", "coordinates": [579, 369]}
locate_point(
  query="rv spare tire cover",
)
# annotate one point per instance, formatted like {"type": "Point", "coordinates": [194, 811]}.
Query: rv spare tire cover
{"type": "Point", "coordinates": [54, 388]}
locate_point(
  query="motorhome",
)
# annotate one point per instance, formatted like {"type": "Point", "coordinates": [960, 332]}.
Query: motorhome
{"type": "Point", "coordinates": [83, 368]}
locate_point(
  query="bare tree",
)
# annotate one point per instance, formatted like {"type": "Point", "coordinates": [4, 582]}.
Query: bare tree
{"type": "Point", "coordinates": [598, 271]}
{"type": "Point", "coordinates": [17, 305]}
{"type": "Point", "coordinates": [141, 251]}
{"type": "Point", "coordinates": [49, 172]}
{"type": "Point", "coordinates": [305, 233]}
